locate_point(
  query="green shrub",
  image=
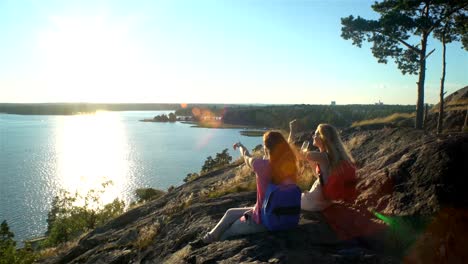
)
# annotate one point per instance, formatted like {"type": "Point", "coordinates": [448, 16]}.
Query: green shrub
{"type": "Point", "coordinates": [147, 194]}
{"type": "Point", "coordinates": [7, 244]}
{"type": "Point", "coordinates": [191, 176]}
{"type": "Point", "coordinates": [8, 252]}
{"type": "Point", "coordinates": [220, 160]}
{"type": "Point", "coordinates": [67, 220]}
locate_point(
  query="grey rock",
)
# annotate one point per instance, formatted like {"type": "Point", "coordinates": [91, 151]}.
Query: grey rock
{"type": "Point", "coordinates": [404, 173]}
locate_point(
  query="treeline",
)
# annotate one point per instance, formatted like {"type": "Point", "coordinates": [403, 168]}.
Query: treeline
{"type": "Point", "coordinates": [66, 221]}
{"type": "Point", "coordinates": [165, 118]}
{"type": "Point", "coordinates": [279, 116]}
{"type": "Point", "coordinates": [75, 108]}
{"type": "Point", "coordinates": [216, 109]}
{"type": "Point", "coordinates": [271, 116]}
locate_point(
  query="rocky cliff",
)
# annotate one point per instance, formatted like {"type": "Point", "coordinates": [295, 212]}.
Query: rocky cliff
{"type": "Point", "coordinates": [455, 112]}
{"type": "Point", "coordinates": [415, 179]}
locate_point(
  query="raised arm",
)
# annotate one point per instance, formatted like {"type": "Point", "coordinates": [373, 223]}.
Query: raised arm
{"type": "Point", "coordinates": [244, 154]}
{"type": "Point", "coordinates": [319, 158]}
{"type": "Point", "coordinates": [292, 130]}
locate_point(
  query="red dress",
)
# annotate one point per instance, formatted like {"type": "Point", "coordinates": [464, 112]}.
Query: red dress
{"type": "Point", "coordinates": [347, 222]}
{"type": "Point", "coordinates": [341, 184]}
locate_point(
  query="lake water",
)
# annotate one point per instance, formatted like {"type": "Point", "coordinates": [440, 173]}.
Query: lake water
{"type": "Point", "coordinates": [39, 155]}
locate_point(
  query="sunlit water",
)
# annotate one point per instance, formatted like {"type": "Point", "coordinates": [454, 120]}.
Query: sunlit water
{"type": "Point", "coordinates": [39, 155]}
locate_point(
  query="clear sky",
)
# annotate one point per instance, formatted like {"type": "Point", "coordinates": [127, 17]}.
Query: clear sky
{"type": "Point", "coordinates": [218, 51]}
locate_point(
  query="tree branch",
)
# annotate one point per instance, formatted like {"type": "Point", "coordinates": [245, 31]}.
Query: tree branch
{"type": "Point", "coordinates": [429, 54]}
{"type": "Point", "coordinates": [401, 41]}
{"type": "Point", "coordinates": [437, 23]}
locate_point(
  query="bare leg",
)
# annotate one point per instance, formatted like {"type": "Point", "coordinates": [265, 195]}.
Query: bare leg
{"type": "Point", "coordinates": [243, 228]}
{"type": "Point", "coordinates": [228, 219]}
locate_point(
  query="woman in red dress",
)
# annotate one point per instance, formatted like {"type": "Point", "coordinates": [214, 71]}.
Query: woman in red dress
{"type": "Point", "coordinates": [335, 191]}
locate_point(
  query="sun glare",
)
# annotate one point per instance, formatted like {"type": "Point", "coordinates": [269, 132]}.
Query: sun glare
{"type": "Point", "coordinates": [92, 150]}
{"type": "Point", "coordinates": [88, 58]}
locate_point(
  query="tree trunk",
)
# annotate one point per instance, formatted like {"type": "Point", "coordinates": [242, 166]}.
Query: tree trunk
{"type": "Point", "coordinates": [442, 81]}
{"type": "Point", "coordinates": [426, 114]}
{"type": "Point", "coordinates": [422, 77]}
{"type": "Point", "coordinates": [465, 125]}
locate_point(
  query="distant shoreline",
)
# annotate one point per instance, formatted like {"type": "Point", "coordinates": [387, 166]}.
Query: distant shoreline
{"type": "Point", "coordinates": [79, 108]}
{"type": "Point", "coordinates": [219, 125]}
{"type": "Point", "coordinates": [249, 131]}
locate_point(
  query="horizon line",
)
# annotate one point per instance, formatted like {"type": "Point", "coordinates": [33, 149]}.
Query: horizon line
{"type": "Point", "coordinates": [155, 103]}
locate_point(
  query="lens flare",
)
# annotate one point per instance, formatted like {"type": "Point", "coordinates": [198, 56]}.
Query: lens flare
{"type": "Point", "coordinates": [386, 219]}
{"type": "Point", "coordinates": [205, 140]}
{"type": "Point", "coordinates": [207, 118]}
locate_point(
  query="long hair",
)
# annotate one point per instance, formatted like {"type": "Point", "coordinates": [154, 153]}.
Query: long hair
{"type": "Point", "coordinates": [282, 159]}
{"type": "Point", "coordinates": [335, 148]}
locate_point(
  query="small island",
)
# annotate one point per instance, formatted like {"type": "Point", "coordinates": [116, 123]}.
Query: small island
{"type": "Point", "coordinates": [162, 118]}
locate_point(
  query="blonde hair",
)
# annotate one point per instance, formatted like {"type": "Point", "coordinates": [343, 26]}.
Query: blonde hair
{"type": "Point", "coordinates": [282, 159]}
{"type": "Point", "coordinates": [335, 148]}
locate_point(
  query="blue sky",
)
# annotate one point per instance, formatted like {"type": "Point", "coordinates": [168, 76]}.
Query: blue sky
{"type": "Point", "coordinates": [240, 51]}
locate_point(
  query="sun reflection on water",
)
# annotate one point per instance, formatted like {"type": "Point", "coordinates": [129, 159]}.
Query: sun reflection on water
{"type": "Point", "coordinates": [92, 149]}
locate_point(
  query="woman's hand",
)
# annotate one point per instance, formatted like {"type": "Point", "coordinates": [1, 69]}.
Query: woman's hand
{"type": "Point", "coordinates": [237, 145]}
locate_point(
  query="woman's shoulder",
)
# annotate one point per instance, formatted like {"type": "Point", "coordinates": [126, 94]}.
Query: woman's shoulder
{"type": "Point", "coordinates": [260, 162]}
{"type": "Point", "coordinates": [260, 165]}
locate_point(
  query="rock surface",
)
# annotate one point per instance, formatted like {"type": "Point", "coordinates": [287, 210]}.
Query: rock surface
{"type": "Point", "coordinates": [455, 112]}
{"type": "Point", "coordinates": [404, 173]}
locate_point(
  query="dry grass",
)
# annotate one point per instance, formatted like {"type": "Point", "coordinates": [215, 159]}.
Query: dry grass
{"type": "Point", "coordinates": [178, 205]}
{"type": "Point", "coordinates": [48, 252]}
{"type": "Point", "coordinates": [192, 176]}
{"type": "Point", "coordinates": [244, 180]}
{"type": "Point", "coordinates": [307, 176]}
{"type": "Point", "coordinates": [455, 105]}
{"type": "Point", "coordinates": [455, 108]}
{"type": "Point", "coordinates": [355, 142]}
{"type": "Point", "coordinates": [460, 102]}
{"type": "Point", "coordinates": [55, 251]}
{"type": "Point", "coordinates": [384, 120]}
{"type": "Point", "coordinates": [179, 256]}
{"type": "Point", "coordinates": [146, 235]}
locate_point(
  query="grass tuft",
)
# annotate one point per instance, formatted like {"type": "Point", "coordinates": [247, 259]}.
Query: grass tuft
{"type": "Point", "coordinates": [384, 120]}
{"type": "Point", "coordinates": [49, 252]}
{"type": "Point", "coordinates": [179, 256]}
{"type": "Point", "coordinates": [244, 180]}
{"type": "Point", "coordinates": [307, 176]}
{"type": "Point", "coordinates": [178, 204]}
{"type": "Point", "coordinates": [146, 235]}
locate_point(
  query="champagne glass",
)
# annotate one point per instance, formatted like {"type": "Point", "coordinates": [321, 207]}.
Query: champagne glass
{"type": "Point", "coordinates": [305, 146]}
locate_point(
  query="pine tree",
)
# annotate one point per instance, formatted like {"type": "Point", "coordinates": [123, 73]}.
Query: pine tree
{"type": "Point", "coordinates": [399, 21]}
